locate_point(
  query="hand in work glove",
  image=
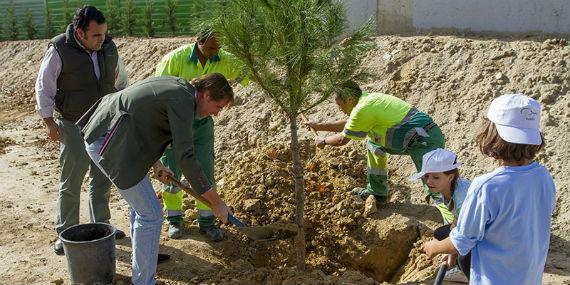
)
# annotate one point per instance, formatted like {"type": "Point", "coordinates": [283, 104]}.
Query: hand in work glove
{"type": "Point", "coordinates": [161, 172]}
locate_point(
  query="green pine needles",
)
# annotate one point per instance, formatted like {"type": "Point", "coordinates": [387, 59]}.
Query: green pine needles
{"type": "Point", "coordinates": [293, 48]}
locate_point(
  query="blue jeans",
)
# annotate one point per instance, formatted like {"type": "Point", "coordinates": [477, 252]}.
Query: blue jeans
{"type": "Point", "coordinates": [146, 222]}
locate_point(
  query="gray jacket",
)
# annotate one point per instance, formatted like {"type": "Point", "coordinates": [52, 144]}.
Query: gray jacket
{"type": "Point", "coordinates": [138, 123]}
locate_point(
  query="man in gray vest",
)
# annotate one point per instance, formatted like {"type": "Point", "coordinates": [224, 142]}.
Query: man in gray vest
{"type": "Point", "coordinates": [127, 132]}
{"type": "Point", "coordinates": [80, 66]}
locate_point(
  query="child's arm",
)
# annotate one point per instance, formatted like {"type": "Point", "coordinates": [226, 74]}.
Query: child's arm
{"type": "Point", "coordinates": [453, 224]}
{"type": "Point", "coordinates": [434, 247]}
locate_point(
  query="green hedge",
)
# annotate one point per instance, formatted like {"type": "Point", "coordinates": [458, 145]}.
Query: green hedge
{"type": "Point", "coordinates": [184, 17]}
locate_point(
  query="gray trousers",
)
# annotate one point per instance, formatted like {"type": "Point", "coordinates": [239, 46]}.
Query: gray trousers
{"type": "Point", "coordinates": [74, 162]}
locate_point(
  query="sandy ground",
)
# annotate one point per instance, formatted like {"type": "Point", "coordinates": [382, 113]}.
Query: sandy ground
{"type": "Point", "coordinates": [451, 78]}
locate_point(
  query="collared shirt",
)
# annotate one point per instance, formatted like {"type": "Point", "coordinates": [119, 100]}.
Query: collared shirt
{"type": "Point", "coordinates": [183, 62]}
{"type": "Point", "coordinates": [50, 69]}
{"type": "Point", "coordinates": [505, 223]}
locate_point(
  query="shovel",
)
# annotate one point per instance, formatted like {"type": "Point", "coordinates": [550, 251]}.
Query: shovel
{"type": "Point", "coordinates": [440, 274]}
{"type": "Point", "coordinates": [263, 233]}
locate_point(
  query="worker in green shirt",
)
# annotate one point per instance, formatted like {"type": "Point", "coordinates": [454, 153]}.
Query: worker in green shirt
{"type": "Point", "coordinates": [188, 62]}
{"type": "Point", "coordinates": [391, 125]}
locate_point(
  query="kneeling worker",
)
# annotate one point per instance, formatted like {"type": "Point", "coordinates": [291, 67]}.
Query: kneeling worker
{"type": "Point", "coordinates": [392, 126]}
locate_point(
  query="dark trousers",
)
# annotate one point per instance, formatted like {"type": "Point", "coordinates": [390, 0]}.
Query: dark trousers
{"type": "Point", "coordinates": [464, 262]}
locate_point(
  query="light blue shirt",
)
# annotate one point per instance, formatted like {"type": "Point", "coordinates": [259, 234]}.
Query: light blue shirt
{"type": "Point", "coordinates": [459, 194]}
{"type": "Point", "coordinates": [505, 223]}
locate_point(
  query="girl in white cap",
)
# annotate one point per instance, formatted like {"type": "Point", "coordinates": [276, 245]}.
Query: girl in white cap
{"type": "Point", "coordinates": [505, 218]}
{"type": "Point", "coordinates": [440, 173]}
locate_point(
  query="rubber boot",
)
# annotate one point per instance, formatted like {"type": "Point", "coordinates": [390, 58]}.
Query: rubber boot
{"type": "Point", "coordinates": [175, 225]}
{"type": "Point", "coordinates": [208, 227]}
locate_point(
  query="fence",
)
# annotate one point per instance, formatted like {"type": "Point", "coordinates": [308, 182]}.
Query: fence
{"type": "Point", "coordinates": [21, 15]}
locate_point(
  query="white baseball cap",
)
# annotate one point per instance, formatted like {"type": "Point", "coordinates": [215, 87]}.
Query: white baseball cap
{"type": "Point", "coordinates": [517, 118]}
{"type": "Point", "coordinates": [437, 160]}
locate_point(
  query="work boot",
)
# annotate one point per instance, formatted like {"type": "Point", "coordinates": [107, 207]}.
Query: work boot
{"type": "Point", "coordinates": [213, 233]}
{"type": "Point", "coordinates": [58, 247]}
{"type": "Point", "coordinates": [363, 193]}
{"type": "Point", "coordinates": [175, 230]}
{"type": "Point", "coordinates": [119, 234]}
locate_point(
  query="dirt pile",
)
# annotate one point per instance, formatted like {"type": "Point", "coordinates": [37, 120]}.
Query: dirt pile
{"type": "Point", "coordinates": [339, 235]}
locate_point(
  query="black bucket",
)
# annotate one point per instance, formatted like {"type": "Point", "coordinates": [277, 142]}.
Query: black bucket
{"type": "Point", "coordinates": [90, 252]}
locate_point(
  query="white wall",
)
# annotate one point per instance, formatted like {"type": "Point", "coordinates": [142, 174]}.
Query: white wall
{"type": "Point", "coordinates": [511, 16]}
{"type": "Point", "coordinates": [360, 11]}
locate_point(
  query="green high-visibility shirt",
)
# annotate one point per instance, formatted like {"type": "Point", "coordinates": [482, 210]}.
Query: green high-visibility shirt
{"type": "Point", "coordinates": [386, 120]}
{"type": "Point", "coordinates": [183, 62]}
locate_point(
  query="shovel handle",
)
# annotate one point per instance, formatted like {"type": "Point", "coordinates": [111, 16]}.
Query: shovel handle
{"type": "Point", "coordinates": [233, 220]}
{"type": "Point", "coordinates": [440, 274]}
{"type": "Point", "coordinates": [188, 190]}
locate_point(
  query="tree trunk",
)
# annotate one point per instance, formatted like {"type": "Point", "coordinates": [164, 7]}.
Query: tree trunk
{"type": "Point", "coordinates": [299, 194]}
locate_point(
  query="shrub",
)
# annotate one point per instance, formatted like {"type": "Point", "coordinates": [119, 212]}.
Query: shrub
{"type": "Point", "coordinates": [12, 23]}
{"type": "Point", "coordinates": [48, 29]}
{"type": "Point", "coordinates": [171, 16]}
{"type": "Point", "coordinates": [66, 16]}
{"type": "Point", "coordinates": [148, 23]}
{"type": "Point", "coordinates": [31, 30]}
{"type": "Point", "coordinates": [112, 16]}
{"type": "Point", "coordinates": [129, 20]}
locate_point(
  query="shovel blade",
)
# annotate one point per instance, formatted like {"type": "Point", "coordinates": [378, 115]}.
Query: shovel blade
{"type": "Point", "coordinates": [269, 232]}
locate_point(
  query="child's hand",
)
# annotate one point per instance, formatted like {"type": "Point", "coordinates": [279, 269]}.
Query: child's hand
{"type": "Point", "coordinates": [450, 259]}
{"type": "Point", "coordinates": [453, 224]}
{"type": "Point", "coordinates": [430, 247]}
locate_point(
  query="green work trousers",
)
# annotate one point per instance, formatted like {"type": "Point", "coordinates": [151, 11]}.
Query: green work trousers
{"type": "Point", "coordinates": [74, 163]}
{"type": "Point", "coordinates": [378, 156]}
{"type": "Point", "coordinates": [203, 139]}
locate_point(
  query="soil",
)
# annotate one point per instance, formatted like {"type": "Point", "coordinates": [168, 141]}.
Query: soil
{"type": "Point", "coordinates": [451, 78]}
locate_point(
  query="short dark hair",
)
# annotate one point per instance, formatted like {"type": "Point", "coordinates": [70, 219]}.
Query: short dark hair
{"type": "Point", "coordinates": [86, 14]}
{"type": "Point", "coordinates": [217, 84]}
{"type": "Point", "coordinates": [348, 89]}
{"type": "Point", "coordinates": [204, 34]}
{"type": "Point", "coordinates": [491, 144]}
